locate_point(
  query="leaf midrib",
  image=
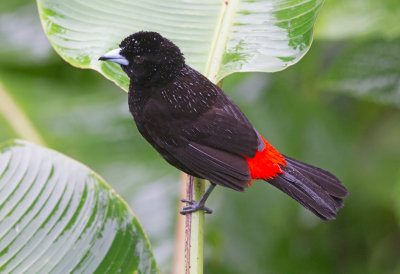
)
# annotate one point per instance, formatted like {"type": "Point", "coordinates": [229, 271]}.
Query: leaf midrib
{"type": "Point", "coordinates": [219, 40]}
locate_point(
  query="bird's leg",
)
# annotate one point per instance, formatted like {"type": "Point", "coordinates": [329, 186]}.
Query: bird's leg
{"type": "Point", "coordinates": [200, 205]}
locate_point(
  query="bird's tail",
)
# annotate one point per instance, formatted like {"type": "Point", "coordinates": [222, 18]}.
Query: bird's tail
{"type": "Point", "coordinates": [316, 189]}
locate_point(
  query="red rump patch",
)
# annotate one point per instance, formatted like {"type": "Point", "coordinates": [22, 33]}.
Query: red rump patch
{"type": "Point", "coordinates": [266, 164]}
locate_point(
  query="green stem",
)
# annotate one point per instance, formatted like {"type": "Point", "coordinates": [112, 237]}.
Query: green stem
{"type": "Point", "coordinates": [17, 119]}
{"type": "Point", "coordinates": [194, 229]}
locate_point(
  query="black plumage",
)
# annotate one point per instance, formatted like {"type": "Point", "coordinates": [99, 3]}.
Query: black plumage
{"type": "Point", "coordinates": [316, 189]}
{"type": "Point", "coordinates": [194, 125]}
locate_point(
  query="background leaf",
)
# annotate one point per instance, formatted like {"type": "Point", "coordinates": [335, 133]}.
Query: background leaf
{"type": "Point", "coordinates": [217, 37]}
{"type": "Point", "coordinates": [369, 69]}
{"type": "Point", "coordinates": [342, 19]}
{"type": "Point", "coordinates": [364, 38]}
{"type": "Point", "coordinates": [57, 216]}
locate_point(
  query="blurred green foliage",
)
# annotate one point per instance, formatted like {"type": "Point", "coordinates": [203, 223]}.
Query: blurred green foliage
{"type": "Point", "coordinates": [343, 19]}
{"type": "Point", "coordinates": [352, 134]}
{"type": "Point", "coordinates": [369, 69]}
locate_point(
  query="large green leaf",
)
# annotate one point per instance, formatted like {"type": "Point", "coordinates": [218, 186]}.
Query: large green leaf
{"type": "Point", "coordinates": [57, 216]}
{"type": "Point", "coordinates": [217, 37]}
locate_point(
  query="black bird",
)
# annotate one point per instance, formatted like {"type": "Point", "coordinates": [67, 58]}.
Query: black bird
{"type": "Point", "coordinates": [198, 129]}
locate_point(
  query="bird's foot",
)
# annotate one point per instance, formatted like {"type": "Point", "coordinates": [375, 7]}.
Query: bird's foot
{"type": "Point", "coordinates": [194, 206]}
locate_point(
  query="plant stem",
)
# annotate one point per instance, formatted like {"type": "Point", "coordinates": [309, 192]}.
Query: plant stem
{"type": "Point", "coordinates": [17, 119]}
{"type": "Point", "coordinates": [194, 229]}
{"type": "Point", "coordinates": [178, 264]}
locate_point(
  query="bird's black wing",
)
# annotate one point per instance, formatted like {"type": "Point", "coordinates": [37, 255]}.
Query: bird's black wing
{"type": "Point", "coordinates": [218, 129]}
{"type": "Point", "coordinates": [211, 118]}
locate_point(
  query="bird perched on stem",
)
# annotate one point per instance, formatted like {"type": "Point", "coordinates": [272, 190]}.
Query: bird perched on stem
{"type": "Point", "coordinates": [198, 129]}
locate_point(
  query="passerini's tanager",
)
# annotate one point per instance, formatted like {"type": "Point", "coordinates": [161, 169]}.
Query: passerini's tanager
{"type": "Point", "coordinates": [198, 129]}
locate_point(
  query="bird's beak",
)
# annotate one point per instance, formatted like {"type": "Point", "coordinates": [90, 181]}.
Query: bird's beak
{"type": "Point", "coordinates": [115, 56]}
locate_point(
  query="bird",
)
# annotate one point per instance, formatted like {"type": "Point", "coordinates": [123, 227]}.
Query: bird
{"type": "Point", "coordinates": [199, 130]}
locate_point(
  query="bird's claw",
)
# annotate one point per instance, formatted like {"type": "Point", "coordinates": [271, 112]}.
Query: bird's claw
{"type": "Point", "coordinates": [193, 207]}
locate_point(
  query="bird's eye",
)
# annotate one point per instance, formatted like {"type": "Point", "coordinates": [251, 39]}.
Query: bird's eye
{"type": "Point", "coordinates": [138, 59]}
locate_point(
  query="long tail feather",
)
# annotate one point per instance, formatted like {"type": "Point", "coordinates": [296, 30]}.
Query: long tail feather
{"type": "Point", "coordinates": [316, 189]}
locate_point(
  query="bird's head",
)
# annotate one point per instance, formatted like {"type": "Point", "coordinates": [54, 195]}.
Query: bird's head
{"type": "Point", "coordinates": [147, 58]}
